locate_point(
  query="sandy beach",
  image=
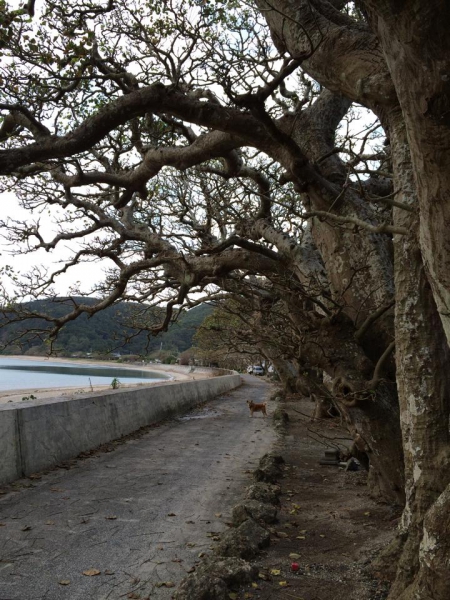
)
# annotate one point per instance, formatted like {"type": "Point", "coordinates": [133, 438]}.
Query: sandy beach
{"type": "Point", "coordinates": [175, 372]}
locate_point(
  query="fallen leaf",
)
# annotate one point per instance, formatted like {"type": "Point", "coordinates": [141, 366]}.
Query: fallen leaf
{"type": "Point", "coordinates": [64, 582]}
{"type": "Point", "coordinates": [191, 570]}
{"type": "Point", "coordinates": [108, 572]}
{"type": "Point", "coordinates": [26, 528]}
{"type": "Point", "coordinates": [294, 555]}
{"type": "Point", "coordinates": [282, 534]}
{"type": "Point", "coordinates": [91, 572]}
{"type": "Point", "coordinates": [190, 544]}
{"type": "Point", "coordinates": [133, 595]}
{"type": "Point", "coordinates": [248, 595]}
{"type": "Point", "coordinates": [321, 535]}
{"type": "Point", "coordinates": [111, 517]}
{"type": "Point", "coordinates": [218, 515]}
{"type": "Point", "coordinates": [50, 522]}
{"type": "Point", "coordinates": [201, 554]}
{"type": "Point", "coordinates": [367, 514]}
{"type": "Point", "coordinates": [232, 596]}
{"type": "Point", "coordinates": [255, 586]}
{"type": "Point", "coordinates": [275, 571]}
{"type": "Point", "coordinates": [263, 576]}
{"type": "Point", "coordinates": [283, 583]}
{"type": "Point", "coordinates": [171, 515]}
{"type": "Point", "coordinates": [300, 537]}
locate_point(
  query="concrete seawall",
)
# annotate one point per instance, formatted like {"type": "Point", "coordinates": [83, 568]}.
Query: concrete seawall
{"type": "Point", "coordinates": [37, 437]}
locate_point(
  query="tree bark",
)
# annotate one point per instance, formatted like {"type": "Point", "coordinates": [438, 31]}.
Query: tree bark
{"type": "Point", "coordinates": [416, 44]}
{"type": "Point", "coordinates": [423, 381]}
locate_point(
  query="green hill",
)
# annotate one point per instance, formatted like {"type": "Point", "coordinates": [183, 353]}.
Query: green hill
{"type": "Point", "coordinates": [115, 329]}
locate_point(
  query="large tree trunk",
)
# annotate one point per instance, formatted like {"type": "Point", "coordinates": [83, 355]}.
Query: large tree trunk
{"type": "Point", "coordinates": [416, 43]}
{"type": "Point", "coordinates": [370, 408]}
{"type": "Point", "coordinates": [423, 381]}
{"type": "Point", "coordinates": [433, 579]}
{"type": "Point", "coordinates": [377, 424]}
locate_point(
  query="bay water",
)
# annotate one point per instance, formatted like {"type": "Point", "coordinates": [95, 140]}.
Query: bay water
{"type": "Point", "coordinates": [18, 374]}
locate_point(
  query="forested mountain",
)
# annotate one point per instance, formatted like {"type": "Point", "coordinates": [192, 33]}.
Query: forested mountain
{"type": "Point", "coordinates": [116, 329]}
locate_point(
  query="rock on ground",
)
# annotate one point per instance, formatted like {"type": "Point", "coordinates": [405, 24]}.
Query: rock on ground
{"type": "Point", "coordinates": [252, 509]}
{"type": "Point", "coordinates": [245, 541]}
{"type": "Point", "coordinates": [214, 577]}
{"type": "Point", "coordinates": [269, 468]}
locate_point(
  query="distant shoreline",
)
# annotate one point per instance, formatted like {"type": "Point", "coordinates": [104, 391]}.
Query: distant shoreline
{"type": "Point", "coordinates": [70, 392]}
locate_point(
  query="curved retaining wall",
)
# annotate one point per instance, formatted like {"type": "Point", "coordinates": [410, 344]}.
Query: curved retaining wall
{"type": "Point", "coordinates": [36, 437]}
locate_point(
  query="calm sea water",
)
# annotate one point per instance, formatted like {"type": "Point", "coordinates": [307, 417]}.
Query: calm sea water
{"type": "Point", "coordinates": [23, 374]}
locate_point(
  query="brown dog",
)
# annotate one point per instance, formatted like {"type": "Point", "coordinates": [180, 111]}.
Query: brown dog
{"type": "Point", "coordinates": [256, 407]}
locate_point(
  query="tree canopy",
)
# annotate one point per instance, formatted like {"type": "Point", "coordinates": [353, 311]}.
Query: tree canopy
{"type": "Point", "coordinates": [289, 158]}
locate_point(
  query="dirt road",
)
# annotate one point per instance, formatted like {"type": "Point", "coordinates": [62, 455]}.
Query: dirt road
{"type": "Point", "coordinates": [140, 515]}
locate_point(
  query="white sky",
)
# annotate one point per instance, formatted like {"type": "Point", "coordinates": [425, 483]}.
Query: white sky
{"type": "Point", "coordinates": [87, 274]}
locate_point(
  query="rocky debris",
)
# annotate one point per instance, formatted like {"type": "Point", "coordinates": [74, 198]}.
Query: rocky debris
{"type": "Point", "coordinates": [205, 587]}
{"type": "Point", "coordinates": [234, 571]}
{"type": "Point", "coordinates": [212, 579]}
{"type": "Point", "coordinates": [244, 541]}
{"type": "Point", "coordinates": [281, 416]}
{"type": "Point", "coordinates": [269, 469]}
{"type": "Point", "coordinates": [226, 569]}
{"type": "Point", "coordinates": [264, 492]}
{"type": "Point", "coordinates": [280, 420]}
{"type": "Point", "coordinates": [252, 509]}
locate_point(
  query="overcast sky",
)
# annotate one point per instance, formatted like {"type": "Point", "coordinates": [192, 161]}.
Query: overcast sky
{"type": "Point", "coordinates": [86, 274]}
